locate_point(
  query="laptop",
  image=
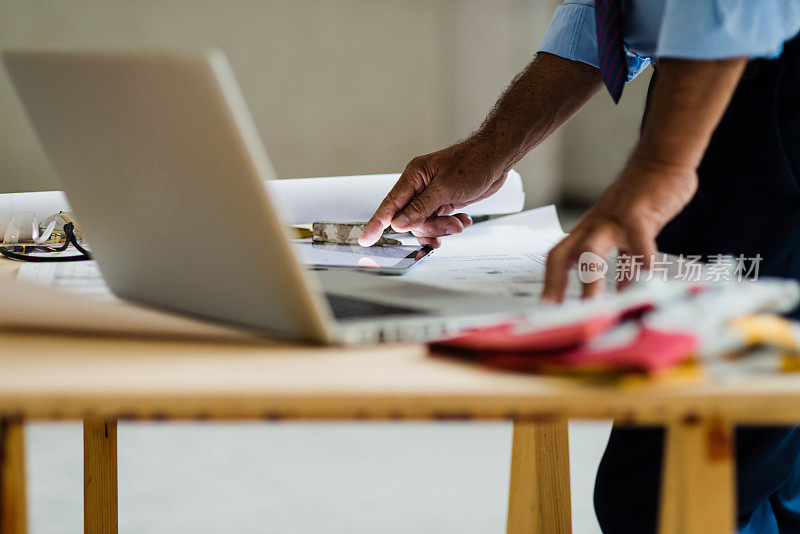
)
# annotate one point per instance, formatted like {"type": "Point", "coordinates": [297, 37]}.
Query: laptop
{"type": "Point", "coordinates": [163, 167]}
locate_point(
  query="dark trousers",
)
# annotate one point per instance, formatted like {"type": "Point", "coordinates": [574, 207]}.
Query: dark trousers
{"type": "Point", "coordinates": [748, 203]}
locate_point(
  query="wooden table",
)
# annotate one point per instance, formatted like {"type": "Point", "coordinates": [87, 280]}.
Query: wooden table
{"type": "Point", "coordinates": [101, 380]}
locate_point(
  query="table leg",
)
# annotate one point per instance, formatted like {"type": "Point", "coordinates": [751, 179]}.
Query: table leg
{"type": "Point", "coordinates": [13, 509]}
{"type": "Point", "coordinates": [99, 476]}
{"type": "Point", "coordinates": [539, 497]}
{"type": "Point", "coordinates": [698, 492]}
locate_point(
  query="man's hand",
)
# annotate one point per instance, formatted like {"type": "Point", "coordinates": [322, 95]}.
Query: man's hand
{"type": "Point", "coordinates": [687, 102]}
{"type": "Point", "coordinates": [628, 217]}
{"type": "Point", "coordinates": [431, 189]}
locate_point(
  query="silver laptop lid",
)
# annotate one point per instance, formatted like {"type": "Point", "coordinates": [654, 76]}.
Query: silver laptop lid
{"type": "Point", "coordinates": [163, 166]}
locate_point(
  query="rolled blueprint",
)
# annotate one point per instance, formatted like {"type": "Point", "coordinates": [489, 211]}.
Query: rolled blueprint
{"type": "Point", "coordinates": [41, 204]}
{"type": "Point", "coordinates": [355, 198]}
{"type": "Point", "coordinates": [300, 200]}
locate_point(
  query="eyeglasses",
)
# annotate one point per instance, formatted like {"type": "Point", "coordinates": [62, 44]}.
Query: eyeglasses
{"type": "Point", "coordinates": [28, 239]}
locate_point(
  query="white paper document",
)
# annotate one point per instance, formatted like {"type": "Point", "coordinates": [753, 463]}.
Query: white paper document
{"type": "Point", "coordinates": [81, 277]}
{"type": "Point", "coordinates": [504, 256]}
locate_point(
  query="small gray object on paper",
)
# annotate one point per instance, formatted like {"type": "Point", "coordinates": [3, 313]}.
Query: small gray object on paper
{"type": "Point", "coordinates": [345, 233]}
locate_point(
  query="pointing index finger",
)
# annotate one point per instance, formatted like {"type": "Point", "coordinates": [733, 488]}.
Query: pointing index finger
{"type": "Point", "coordinates": [402, 192]}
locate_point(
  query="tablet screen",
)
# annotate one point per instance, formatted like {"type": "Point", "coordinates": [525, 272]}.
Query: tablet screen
{"type": "Point", "coordinates": [386, 257]}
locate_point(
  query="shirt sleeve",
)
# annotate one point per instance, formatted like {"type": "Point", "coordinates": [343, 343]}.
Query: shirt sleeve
{"type": "Point", "coordinates": [572, 34]}
{"type": "Point", "coordinates": [714, 29]}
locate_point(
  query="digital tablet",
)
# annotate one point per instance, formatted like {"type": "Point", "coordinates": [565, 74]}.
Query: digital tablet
{"type": "Point", "coordinates": [387, 259]}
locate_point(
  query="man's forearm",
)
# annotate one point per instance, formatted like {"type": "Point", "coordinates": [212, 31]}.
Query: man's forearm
{"type": "Point", "coordinates": [542, 98]}
{"type": "Point", "coordinates": [686, 104]}
{"type": "Point", "coordinates": [688, 100]}
{"type": "Point", "coordinates": [434, 186]}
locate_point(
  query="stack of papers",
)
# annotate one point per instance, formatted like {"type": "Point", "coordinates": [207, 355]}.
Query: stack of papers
{"type": "Point", "coordinates": [502, 256]}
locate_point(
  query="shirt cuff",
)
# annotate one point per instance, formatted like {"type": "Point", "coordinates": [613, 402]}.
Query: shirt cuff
{"type": "Point", "coordinates": [636, 64]}
{"type": "Point", "coordinates": [572, 34]}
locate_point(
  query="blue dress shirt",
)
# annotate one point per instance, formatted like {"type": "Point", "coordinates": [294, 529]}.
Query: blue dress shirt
{"type": "Point", "coordinates": [689, 29]}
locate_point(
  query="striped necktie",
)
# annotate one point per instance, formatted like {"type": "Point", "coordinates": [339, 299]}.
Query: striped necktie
{"type": "Point", "coordinates": [611, 52]}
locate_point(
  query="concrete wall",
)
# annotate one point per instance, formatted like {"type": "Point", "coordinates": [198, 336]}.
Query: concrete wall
{"type": "Point", "coordinates": [598, 141]}
{"type": "Point", "coordinates": [336, 86]}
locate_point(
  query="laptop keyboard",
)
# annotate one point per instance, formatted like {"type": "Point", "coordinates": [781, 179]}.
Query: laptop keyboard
{"type": "Point", "coordinates": [351, 308]}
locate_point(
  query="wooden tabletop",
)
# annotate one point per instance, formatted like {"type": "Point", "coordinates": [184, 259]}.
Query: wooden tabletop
{"type": "Point", "coordinates": [62, 376]}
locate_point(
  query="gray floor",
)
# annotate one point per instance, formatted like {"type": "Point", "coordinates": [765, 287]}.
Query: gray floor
{"type": "Point", "coordinates": [299, 477]}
